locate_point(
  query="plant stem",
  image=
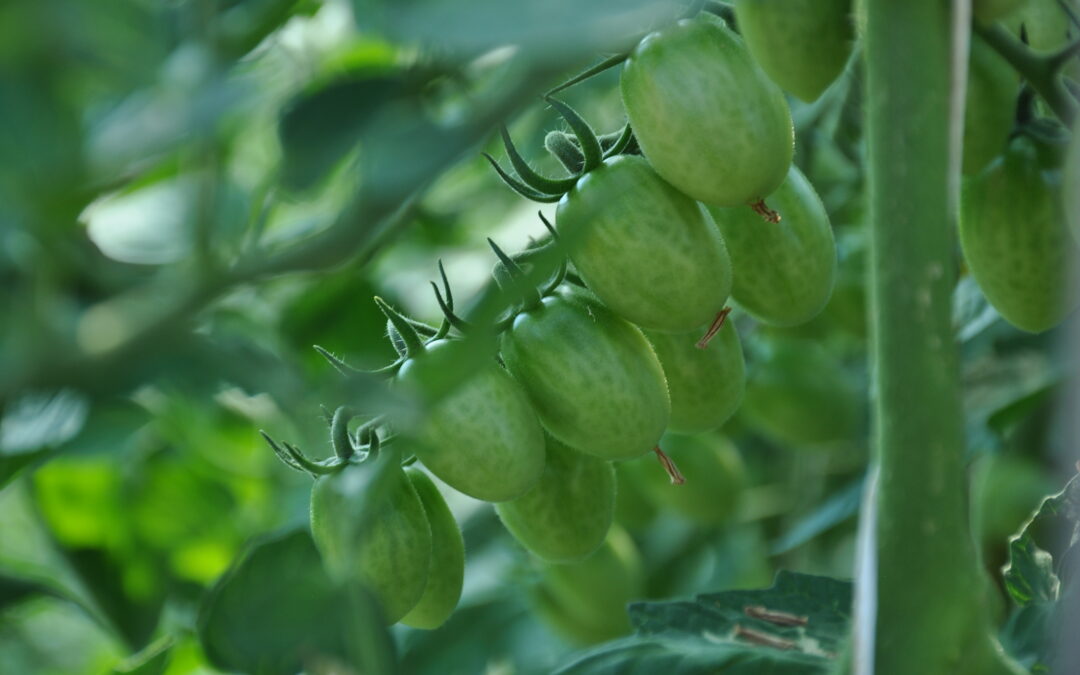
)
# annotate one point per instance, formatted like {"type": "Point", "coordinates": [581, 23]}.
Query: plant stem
{"type": "Point", "coordinates": [930, 617]}
{"type": "Point", "coordinates": [1041, 72]}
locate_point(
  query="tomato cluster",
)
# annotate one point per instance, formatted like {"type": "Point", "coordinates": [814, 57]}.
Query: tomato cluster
{"type": "Point", "coordinates": [615, 342]}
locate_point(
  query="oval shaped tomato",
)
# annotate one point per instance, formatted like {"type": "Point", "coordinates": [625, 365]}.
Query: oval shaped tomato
{"type": "Point", "coordinates": [566, 516]}
{"type": "Point", "coordinates": [802, 45]}
{"type": "Point", "coordinates": [798, 394]}
{"type": "Point", "coordinates": [714, 473]}
{"type": "Point", "coordinates": [783, 272]}
{"type": "Point", "coordinates": [446, 572]}
{"type": "Point", "coordinates": [992, 89]}
{"type": "Point", "coordinates": [592, 377]}
{"type": "Point", "coordinates": [649, 252]}
{"type": "Point", "coordinates": [483, 439]}
{"type": "Point", "coordinates": [633, 508]}
{"type": "Point", "coordinates": [706, 385]}
{"type": "Point", "coordinates": [705, 115]}
{"type": "Point", "coordinates": [369, 524]}
{"type": "Point", "coordinates": [591, 596]}
{"type": "Point", "coordinates": [1015, 241]}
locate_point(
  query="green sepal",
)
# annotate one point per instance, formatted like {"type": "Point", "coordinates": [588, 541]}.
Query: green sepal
{"type": "Point", "coordinates": [291, 456]}
{"type": "Point", "coordinates": [448, 312]}
{"type": "Point", "coordinates": [586, 137]}
{"type": "Point", "coordinates": [609, 62]}
{"type": "Point", "coordinates": [348, 371]}
{"type": "Point", "coordinates": [414, 346]}
{"type": "Point", "coordinates": [529, 176]}
{"type": "Point", "coordinates": [519, 187]}
{"type": "Point", "coordinates": [616, 143]}
{"type": "Point", "coordinates": [530, 295]}
{"type": "Point", "coordinates": [339, 433]}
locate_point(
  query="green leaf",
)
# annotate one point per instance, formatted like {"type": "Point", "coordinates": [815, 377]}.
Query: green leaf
{"type": "Point", "coordinates": [36, 423]}
{"type": "Point", "coordinates": [839, 507]}
{"type": "Point", "coordinates": [796, 626]}
{"type": "Point", "coordinates": [276, 611]}
{"type": "Point", "coordinates": [1030, 576]}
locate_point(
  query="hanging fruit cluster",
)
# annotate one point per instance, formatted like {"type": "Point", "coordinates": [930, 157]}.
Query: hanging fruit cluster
{"type": "Point", "coordinates": [616, 333]}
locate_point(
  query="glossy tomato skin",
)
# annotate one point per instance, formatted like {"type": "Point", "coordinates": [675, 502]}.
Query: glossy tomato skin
{"type": "Point", "coordinates": [369, 524]}
{"type": "Point", "coordinates": [783, 272]}
{"type": "Point", "coordinates": [447, 570]}
{"type": "Point", "coordinates": [714, 472]}
{"type": "Point", "coordinates": [803, 45]}
{"type": "Point", "coordinates": [566, 516]}
{"type": "Point", "coordinates": [649, 252]}
{"type": "Point", "coordinates": [705, 115]}
{"type": "Point", "coordinates": [592, 377]}
{"type": "Point", "coordinates": [990, 103]}
{"type": "Point", "coordinates": [483, 439]}
{"type": "Point", "coordinates": [1015, 240]}
{"type": "Point", "coordinates": [706, 385]}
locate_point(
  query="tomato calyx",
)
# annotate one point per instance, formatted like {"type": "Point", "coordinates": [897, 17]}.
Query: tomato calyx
{"type": "Point", "coordinates": [348, 448]}
{"type": "Point", "coordinates": [579, 154]}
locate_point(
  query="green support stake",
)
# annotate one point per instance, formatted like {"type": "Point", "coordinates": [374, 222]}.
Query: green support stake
{"type": "Point", "coordinates": [931, 617]}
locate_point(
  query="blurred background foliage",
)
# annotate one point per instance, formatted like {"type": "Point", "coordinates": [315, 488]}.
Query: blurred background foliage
{"type": "Point", "coordinates": [194, 192]}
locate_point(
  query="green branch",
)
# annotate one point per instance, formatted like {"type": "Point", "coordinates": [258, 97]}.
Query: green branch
{"type": "Point", "coordinates": [1042, 71]}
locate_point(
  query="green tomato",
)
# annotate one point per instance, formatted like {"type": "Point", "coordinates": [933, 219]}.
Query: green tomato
{"type": "Point", "coordinates": [714, 472]}
{"type": "Point", "coordinates": [591, 596]}
{"type": "Point", "coordinates": [592, 377]}
{"type": "Point", "coordinates": [1015, 240]}
{"type": "Point", "coordinates": [783, 271]}
{"type": "Point", "coordinates": [798, 394]}
{"type": "Point", "coordinates": [802, 45]}
{"type": "Point", "coordinates": [705, 385]}
{"type": "Point", "coordinates": [992, 88]}
{"type": "Point", "coordinates": [649, 252]}
{"type": "Point", "coordinates": [1006, 490]}
{"type": "Point", "coordinates": [483, 439]}
{"type": "Point", "coordinates": [988, 11]}
{"type": "Point", "coordinates": [705, 115]}
{"type": "Point", "coordinates": [566, 516]}
{"type": "Point", "coordinates": [369, 524]}
{"type": "Point", "coordinates": [447, 569]}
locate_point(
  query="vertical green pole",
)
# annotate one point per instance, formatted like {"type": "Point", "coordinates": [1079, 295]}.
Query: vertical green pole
{"type": "Point", "coordinates": [930, 617]}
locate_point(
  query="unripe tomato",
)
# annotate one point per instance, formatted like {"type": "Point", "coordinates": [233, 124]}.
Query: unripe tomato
{"type": "Point", "coordinates": [705, 115]}
{"type": "Point", "coordinates": [1014, 238]}
{"type": "Point", "coordinates": [566, 516]}
{"type": "Point", "coordinates": [633, 508]}
{"type": "Point", "coordinates": [714, 472]}
{"type": "Point", "coordinates": [992, 88]}
{"type": "Point", "coordinates": [706, 385]}
{"type": "Point", "coordinates": [798, 394]}
{"type": "Point", "coordinates": [447, 570]}
{"type": "Point", "coordinates": [1006, 490]}
{"type": "Point", "coordinates": [783, 272]}
{"type": "Point", "coordinates": [483, 439]}
{"type": "Point", "coordinates": [369, 524]}
{"type": "Point", "coordinates": [591, 596]}
{"type": "Point", "coordinates": [649, 252]}
{"type": "Point", "coordinates": [593, 379]}
{"type": "Point", "coordinates": [802, 45]}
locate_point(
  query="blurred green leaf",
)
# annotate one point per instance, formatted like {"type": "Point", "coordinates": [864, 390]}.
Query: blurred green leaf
{"type": "Point", "coordinates": [34, 424]}
{"type": "Point", "coordinates": [276, 611]}
{"type": "Point", "coordinates": [1030, 577]}
{"type": "Point", "coordinates": [839, 507]}
{"type": "Point", "coordinates": [796, 626]}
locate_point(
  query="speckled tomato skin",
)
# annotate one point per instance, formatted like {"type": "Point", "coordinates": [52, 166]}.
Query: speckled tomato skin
{"type": "Point", "coordinates": [566, 516]}
{"type": "Point", "coordinates": [483, 439]}
{"type": "Point", "coordinates": [706, 385]}
{"type": "Point", "coordinates": [592, 377]}
{"type": "Point", "coordinates": [1015, 239]}
{"type": "Point", "coordinates": [446, 573]}
{"type": "Point", "coordinates": [369, 524]}
{"type": "Point", "coordinates": [649, 252]}
{"type": "Point", "coordinates": [705, 115]}
{"type": "Point", "coordinates": [783, 272]}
